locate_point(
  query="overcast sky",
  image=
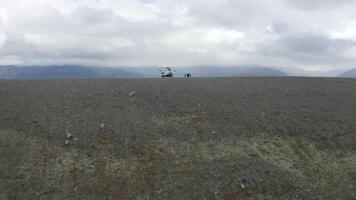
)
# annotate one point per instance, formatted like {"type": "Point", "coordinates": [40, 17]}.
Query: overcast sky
{"type": "Point", "coordinates": [309, 34]}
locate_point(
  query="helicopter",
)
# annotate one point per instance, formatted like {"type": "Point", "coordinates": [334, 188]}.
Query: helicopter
{"type": "Point", "coordinates": [167, 72]}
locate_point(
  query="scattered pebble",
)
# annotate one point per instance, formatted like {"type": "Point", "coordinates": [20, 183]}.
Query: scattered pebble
{"type": "Point", "coordinates": [131, 94]}
{"type": "Point", "coordinates": [68, 135]}
{"type": "Point", "coordinates": [243, 183]}
{"type": "Point", "coordinates": [216, 193]}
{"type": "Point", "coordinates": [213, 132]}
{"type": "Point", "coordinates": [102, 125]}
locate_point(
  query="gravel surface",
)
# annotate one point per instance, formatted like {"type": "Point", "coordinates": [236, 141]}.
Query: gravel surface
{"type": "Point", "coordinates": [199, 138]}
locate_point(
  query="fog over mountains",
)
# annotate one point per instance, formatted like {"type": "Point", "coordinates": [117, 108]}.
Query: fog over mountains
{"type": "Point", "coordinates": [349, 74]}
{"type": "Point", "coordinates": [215, 71]}
{"type": "Point", "coordinates": [75, 71]}
{"type": "Point", "coordinates": [63, 72]}
{"type": "Point", "coordinates": [85, 72]}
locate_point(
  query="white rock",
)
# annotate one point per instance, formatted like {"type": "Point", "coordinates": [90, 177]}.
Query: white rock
{"type": "Point", "coordinates": [132, 93]}
{"type": "Point", "coordinates": [68, 135]}
{"type": "Point", "coordinates": [102, 125]}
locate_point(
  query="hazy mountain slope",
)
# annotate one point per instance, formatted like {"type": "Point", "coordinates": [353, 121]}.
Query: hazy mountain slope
{"type": "Point", "coordinates": [292, 71]}
{"type": "Point", "coordinates": [350, 73]}
{"type": "Point", "coordinates": [260, 71]}
{"type": "Point", "coordinates": [63, 72]}
{"type": "Point", "coordinates": [215, 71]}
{"type": "Point", "coordinates": [7, 71]}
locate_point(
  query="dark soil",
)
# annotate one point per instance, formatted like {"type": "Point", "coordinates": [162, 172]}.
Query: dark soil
{"type": "Point", "coordinates": [213, 138]}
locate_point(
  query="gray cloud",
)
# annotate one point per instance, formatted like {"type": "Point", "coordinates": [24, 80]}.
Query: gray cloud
{"type": "Point", "coordinates": [311, 49]}
{"type": "Point", "coordinates": [320, 4]}
{"type": "Point", "coordinates": [315, 35]}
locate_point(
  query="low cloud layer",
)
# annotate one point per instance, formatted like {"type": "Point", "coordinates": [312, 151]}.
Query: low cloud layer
{"type": "Point", "coordinates": [312, 35]}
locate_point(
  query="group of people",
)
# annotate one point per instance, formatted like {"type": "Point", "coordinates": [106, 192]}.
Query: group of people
{"type": "Point", "coordinates": [188, 75]}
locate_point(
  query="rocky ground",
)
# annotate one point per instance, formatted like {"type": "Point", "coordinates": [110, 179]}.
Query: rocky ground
{"type": "Point", "coordinates": [216, 138]}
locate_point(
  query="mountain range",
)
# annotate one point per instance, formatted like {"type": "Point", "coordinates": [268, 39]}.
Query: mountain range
{"type": "Point", "coordinates": [63, 72]}
{"type": "Point", "coordinates": [76, 71]}
{"type": "Point", "coordinates": [349, 74]}
{"type": "Point", "coordinates": [215, 71]}
{"type": "Point", "coordinates": [85, 72]}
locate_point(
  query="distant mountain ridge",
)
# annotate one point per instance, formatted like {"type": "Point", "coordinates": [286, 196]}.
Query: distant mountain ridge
{"type": "Point", "coordinates": [64, 72]}
{"type": "Point", "coordinates": [349, 74]}
{"type": "Point", "coordinates": [78, 72]}
{"type": "Point", "coordinates": [86, 72]}
{"type": "Point", "coordinates": [262, 71]}
{"type": "Point", "coordinates": [216, 71]}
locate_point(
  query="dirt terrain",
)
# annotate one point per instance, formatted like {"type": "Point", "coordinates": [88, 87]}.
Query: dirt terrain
{"type": "Point", "coordinates": [212, 138]}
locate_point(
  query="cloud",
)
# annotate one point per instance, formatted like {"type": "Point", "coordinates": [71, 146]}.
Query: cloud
{"type": "Point", "coordinates": [317, 51]}
{"type": "Point", "coordinates": [296, 33]}
{"type": "Point", "coordinates": [319, 4]}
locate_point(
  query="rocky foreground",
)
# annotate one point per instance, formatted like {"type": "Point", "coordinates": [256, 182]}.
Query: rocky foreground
{"type": "Point", "coordinates": [216, 138]}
